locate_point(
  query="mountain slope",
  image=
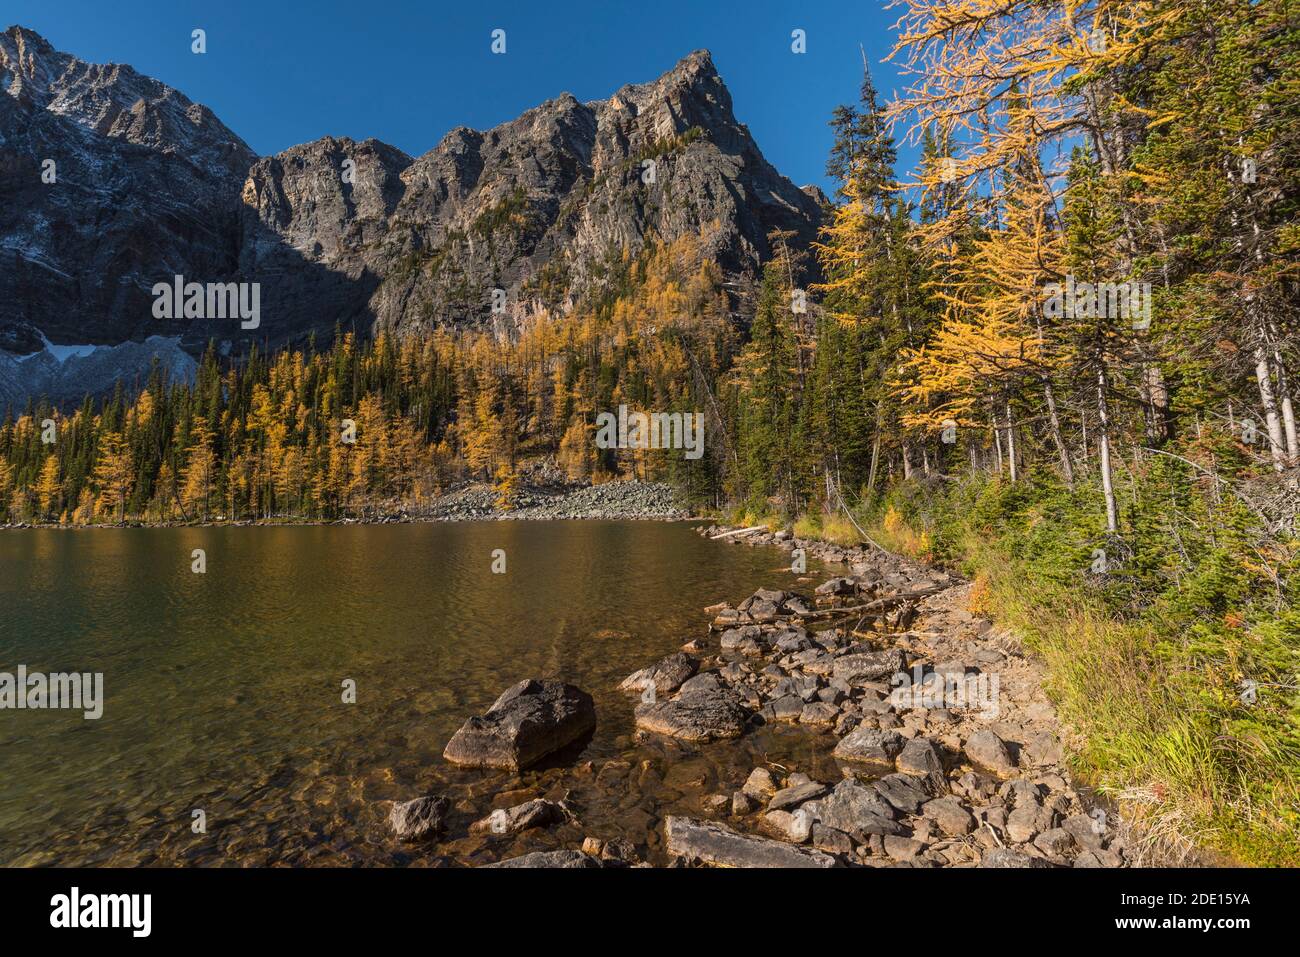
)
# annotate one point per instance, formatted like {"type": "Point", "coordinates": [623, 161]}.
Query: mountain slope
{"type": "Point", "coordinates": [533, 207]}
{"type": "Point", "coordinates": [151, 185]}
{"type": "Point", "coordinates": [144, 186]}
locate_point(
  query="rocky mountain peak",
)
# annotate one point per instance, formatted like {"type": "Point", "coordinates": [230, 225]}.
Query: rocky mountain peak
{"type": "Point", "coordinates": [115, 101]}
{"type": "Point", "coordinates": [357, 233]}
{"type": "Point", "coordinates": [29, 62]}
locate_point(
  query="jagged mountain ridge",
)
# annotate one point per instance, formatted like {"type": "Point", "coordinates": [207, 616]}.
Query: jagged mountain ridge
{"type": "Point", "coordinates": [143, 183]}
{"type": "Point", "coordinates": [151, 185]}
{"type": "Point", "coordinates": [530, 206]}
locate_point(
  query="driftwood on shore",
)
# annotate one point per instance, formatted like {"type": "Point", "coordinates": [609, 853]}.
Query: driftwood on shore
{"type": "Point", "coordinates": [878, 604]}
{"type": "Point", "coordinates": [739, 531]}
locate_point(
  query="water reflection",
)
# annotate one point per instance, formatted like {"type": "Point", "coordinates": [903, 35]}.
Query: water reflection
{"type": "Point", "coordinates": [223, 690]}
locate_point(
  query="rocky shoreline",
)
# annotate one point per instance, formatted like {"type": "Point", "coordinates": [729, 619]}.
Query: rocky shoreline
{"type": "Point", "coordinates": [608, 501]}
{"type": "Point", "coordinates": [947, 750]}
{"type": "Point", "coordinates": [476, 501]}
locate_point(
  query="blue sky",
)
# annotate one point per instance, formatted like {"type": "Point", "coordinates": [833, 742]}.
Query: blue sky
{"type": "Point", "coordinates": [282, 73]}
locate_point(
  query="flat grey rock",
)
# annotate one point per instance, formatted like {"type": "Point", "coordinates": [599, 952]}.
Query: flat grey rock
{"type": "Point", "coordinates": [720, 846]}
{"type": "Point", "coordinates": [560, 859]}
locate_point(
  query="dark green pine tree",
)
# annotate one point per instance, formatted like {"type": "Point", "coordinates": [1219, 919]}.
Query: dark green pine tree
{"type": "Point", "coordinates": [767, 390]}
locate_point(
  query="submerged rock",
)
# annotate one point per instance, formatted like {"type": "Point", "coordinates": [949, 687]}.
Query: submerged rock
{"type": "Point", "coordinates": [418, 820]}
{"type": "Point", "coordinates": [666, 676]}
{"type": "Point", "coordinates": [760, 784]}
{"type": "Point", "coordinates": [529, 721]}
{"type": "Point", "coordinates": [701, 711]}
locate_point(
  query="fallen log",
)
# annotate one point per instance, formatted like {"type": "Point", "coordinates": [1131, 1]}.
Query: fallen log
{"type": "Point", "coordinates": [877, 605]}
{"type": "Point", "coordinates": [739, 531]}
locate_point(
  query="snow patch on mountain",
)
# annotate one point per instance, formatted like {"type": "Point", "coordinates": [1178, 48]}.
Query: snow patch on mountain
{"type": "Point", "coordinates": [65, 374]}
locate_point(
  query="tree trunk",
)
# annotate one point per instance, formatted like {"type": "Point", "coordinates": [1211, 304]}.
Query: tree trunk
{"type": "Point", "coordinates": [1267, 399]}
{"type": "Point", "coordinates": [1288, 412]}
{"type": "Point", "coordinates": [1155, 398]}
{"type": "Point", "coordinates": [1011, 445]}
{"type": "Point", "coordinates": [997, 441]}
{"type": "Point", "coordinates": [875, 456]}
{"type": "Point", "coordinates": [1054, 423]}
{"type": "Point", "coordinates": [1107, 484]}
{"type": "Point", "coordinates": [1288, 423]}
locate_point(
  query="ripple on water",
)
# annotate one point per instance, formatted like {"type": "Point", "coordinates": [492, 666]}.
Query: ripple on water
{"type": "Point", "coordinates": [224, 690]}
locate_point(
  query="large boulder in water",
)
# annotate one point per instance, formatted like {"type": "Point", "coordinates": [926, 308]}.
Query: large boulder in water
{"type": "Point", "coordinates": [529, 721]}
{"type": "Point", "coordinates": [703, 710]}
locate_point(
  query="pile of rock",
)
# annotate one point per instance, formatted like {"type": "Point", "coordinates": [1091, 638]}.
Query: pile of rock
{"type": "Point", "coordinates": [922, 786]}
{"type": "Point", "coordinates": [608, 501]}
{"type": "Point", "coordinates": [530, 721]}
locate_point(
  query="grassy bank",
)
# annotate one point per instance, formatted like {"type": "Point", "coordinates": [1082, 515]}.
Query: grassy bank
{"type": "Point", "coordinates": [1170, 648]}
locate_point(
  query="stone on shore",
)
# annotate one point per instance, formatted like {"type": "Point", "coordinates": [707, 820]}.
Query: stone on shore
{"type": "Point", "coordinates": [921, 758]}
{"type": "Point", "coordinates": [786, 708]}
{"type": "Point", "coordinates": [1005, 857]}
{"type": "Point", "coordinates": [903, 791]}
{"type": "Point", "coordinates": [988, 751]}
{"type": "Point", "coordinates": [1055, 843]}
{"type": "Point", "coordinates": [792, 797]}
{"type": "Point", "coordinates": [530, 720]}
{"type": "Point", "coordinates": [819, 713]}
{"type": "Point", "coordinates": [420, 819]}
{"type": "Point", "coordinates": [1024, 823]}
{"type": "Point", "coordinates": [902, 849]}
{"type": "Point", "coordinates": [794, 827]}
{"type": "Point", "coordinates": [720, 846]}
{"type": "Point", "coordinates": [1044, 750]}
{"type": "Point", "coordinates": [857, 810]}
{"type": "Point", "coordinates": [836, 587]}
{"type": "Point", "coordinates": [1087, 832]}
{"type": "Point", "coordinates": [855, 669]}
{"type": "Point", "coordinates": [870, 746]}
{"type": "Point", "coordinates": [951, 816]}
{"type": "Point", "coordinates": [769, 604]}
{"type": "Point", "coordinates": [733, 639]}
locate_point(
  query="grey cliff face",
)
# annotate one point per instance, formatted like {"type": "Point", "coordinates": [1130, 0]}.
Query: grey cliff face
{"type": "Point", "coordinates": [150, 185]}
{"type": "Point", "coordinates": [144, 186]}
{"type": "Point", "coordinates": [535, 207]}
